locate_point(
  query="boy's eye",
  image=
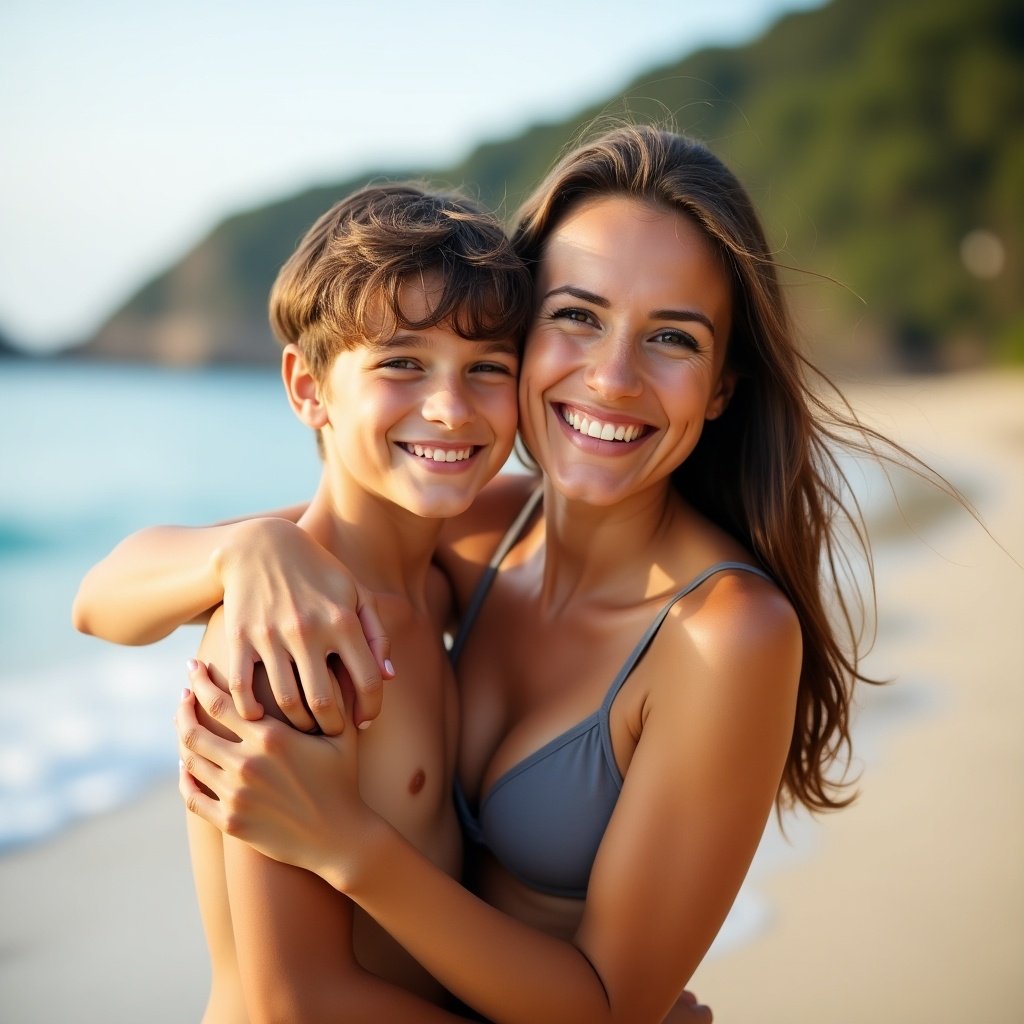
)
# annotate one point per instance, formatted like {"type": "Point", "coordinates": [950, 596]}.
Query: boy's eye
{"type": "Point", "coordinates": [493, 368]}
{"type": "Point", "coordinates": [399, 364]}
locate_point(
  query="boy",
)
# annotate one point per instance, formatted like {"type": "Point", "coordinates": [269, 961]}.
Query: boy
{"type": "Point", "coordinates": [401, 314]}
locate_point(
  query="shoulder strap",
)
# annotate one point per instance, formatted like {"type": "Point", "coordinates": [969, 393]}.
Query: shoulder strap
{"type": "Point", "coordinates": [512, 534]}
{"type": "Point", "coordinates": [649, 634]}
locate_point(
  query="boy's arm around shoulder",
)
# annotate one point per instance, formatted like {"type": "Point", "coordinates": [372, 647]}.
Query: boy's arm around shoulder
{"type": "Point", "coordinates": [158, 579]}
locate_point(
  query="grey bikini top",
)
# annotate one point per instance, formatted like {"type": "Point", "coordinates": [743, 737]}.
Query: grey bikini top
{"type": "Point", "coordinates": [544, 818]}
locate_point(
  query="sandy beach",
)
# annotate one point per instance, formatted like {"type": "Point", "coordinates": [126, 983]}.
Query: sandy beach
{"type": "Point", "coordinates": [907, 907]}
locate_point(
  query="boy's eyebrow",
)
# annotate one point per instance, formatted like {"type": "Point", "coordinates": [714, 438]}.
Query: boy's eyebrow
{"type": "Point", "coordinates": [682, 315]}
{"type": "Point", "coordinates": [407, 339]}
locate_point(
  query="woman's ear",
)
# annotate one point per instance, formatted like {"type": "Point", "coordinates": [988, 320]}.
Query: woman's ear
{"type": "Point", "coordinates": [722, 394]}
{"type": "Point", "coordinates": [304, 393]}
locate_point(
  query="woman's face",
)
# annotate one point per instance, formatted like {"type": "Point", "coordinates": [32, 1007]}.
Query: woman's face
{"type": "Point", "coordinates": [624, 361]}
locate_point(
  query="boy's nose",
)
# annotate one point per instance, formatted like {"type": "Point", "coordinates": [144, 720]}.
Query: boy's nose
{"type": "Point", "coordinates": [447, 405]}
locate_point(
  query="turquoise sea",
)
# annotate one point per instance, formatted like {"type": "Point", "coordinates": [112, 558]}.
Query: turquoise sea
{"type": "Point", "coordinates": [89, 453]}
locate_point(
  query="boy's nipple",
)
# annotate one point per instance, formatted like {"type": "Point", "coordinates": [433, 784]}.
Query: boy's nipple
{"type": "Point", "coordinates": [417, 782]}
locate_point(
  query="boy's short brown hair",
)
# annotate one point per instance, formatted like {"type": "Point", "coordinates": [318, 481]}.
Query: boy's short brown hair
{"type": "Point", "coordinates": [348, 270]}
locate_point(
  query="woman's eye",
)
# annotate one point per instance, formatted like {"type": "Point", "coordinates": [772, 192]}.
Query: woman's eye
{"type": "Point", "coordinates": [578, 316]}
{"type": "Point", "coordinates": [677, 339]}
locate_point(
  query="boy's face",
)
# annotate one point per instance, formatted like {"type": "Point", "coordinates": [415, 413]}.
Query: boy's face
{"type": "Point", "coordinates": [425, 418]}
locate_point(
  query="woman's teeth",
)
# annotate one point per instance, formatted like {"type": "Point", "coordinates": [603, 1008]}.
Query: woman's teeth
{"type": "Point", "coordinates": [599, 429]}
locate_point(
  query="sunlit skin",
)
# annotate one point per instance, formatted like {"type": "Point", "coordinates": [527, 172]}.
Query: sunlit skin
{"type": "Point", "coordinates": [631, 333]}
{"type": "Point", "coordinates": [412, 425]}
{"type": "Point", "coordinates": [388, 411]}
{"type": "Point", "coordinates": [631, 330]}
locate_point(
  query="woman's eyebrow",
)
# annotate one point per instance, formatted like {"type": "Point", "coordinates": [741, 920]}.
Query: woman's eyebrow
{"type": "Point", "coordinates": [579, 293]}
{"type": "Point", "coordinates": [690, 315]}
{"type": "Point", "coordinates": [683, 315]}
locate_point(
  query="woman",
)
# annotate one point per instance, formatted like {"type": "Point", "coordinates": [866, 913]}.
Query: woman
{"type": "Point", "coordinates": [685, 508]}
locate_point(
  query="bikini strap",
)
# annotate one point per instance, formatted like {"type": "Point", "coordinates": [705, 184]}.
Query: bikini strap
{"type": "Point", "coordinates": [515, 531]}
{"type": "Point", "coordinates": [651, 631]}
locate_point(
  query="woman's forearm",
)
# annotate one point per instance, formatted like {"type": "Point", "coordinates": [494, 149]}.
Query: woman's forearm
{"type": "Point", "coordinates": [156, 580]}
{"type": "Point", "coordinates": [506, 970]}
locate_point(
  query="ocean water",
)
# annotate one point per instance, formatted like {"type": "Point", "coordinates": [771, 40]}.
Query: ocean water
{"type": "Point", "coordinates": [88, 454]}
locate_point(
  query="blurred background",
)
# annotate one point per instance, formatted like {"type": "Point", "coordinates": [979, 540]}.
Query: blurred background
{"type": "Point", "coordinates": [161, 161]}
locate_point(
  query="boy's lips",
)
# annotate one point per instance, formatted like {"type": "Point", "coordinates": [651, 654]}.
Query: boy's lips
{"type": "Point", "coordinates": [601, 427]}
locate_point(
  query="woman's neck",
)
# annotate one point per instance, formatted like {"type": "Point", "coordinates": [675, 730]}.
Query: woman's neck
{"type": "Point", "coordinates": [610, 556]}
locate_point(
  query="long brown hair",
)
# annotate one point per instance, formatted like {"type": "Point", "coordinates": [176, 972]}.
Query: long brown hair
{"type": "Point", "coordinates": [767, 469]}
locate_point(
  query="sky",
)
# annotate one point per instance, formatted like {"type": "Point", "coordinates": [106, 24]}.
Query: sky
{"type": "Point", "coordinates": [129, 129]}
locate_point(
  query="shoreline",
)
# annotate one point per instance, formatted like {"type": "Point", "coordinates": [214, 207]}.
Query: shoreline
{"type": "Point", "coordinates": [911, 905]}
{"type": "Point", "coordinates": [907, 906]}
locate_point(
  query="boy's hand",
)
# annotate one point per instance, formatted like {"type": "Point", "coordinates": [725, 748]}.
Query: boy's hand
{"type": "Point", "coordinates": [290, 604]}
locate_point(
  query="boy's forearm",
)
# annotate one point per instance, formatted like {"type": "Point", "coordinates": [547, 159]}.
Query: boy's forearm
{"type": "Point", "coordinates": [151, 583]}
{"type": "Point", "coordinates": [158, 579]}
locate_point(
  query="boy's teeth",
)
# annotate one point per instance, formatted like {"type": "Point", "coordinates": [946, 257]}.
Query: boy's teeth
{"type": "Point", "coordinates": [440, 454]}
{"type": "Point", "coordinates": [595, 428]}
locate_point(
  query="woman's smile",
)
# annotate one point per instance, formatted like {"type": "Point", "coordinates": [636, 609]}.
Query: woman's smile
{"type": "Point", "coordinates": [594, 425]}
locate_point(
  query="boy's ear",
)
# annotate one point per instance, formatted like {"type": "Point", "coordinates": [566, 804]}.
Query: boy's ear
{"type": "Point", "coordinates": [303, 390]}
{"type": "Point", "coordinates": [722, 394]}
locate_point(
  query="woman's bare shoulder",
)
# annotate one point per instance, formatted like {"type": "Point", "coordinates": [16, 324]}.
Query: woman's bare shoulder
{"type": "Point", "coordinates": [735, 627]}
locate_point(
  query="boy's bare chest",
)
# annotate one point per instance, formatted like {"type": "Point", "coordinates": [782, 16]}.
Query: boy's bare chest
{"type": "Point", "coordinates": [406, 756]}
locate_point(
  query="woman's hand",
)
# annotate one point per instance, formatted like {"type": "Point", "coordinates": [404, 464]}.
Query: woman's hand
{"type": "Point", "coordinates": [689, 1011]}
{"type": "Point", "coordinates": [291, 796]}
{"type": "Point", "coordinates": [289, 604]}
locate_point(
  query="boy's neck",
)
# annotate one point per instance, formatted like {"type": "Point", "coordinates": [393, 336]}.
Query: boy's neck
{"type": "Point", "coordinates": [387, 548]}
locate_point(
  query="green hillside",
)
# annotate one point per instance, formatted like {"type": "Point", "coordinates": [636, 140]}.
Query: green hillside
{"type": "Point", "coordinates": [883, 142]}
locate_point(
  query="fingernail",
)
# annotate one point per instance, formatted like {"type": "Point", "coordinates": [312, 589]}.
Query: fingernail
{"type": "Point", "coordinates": [181, 765]}
{"type": "Point", "coordinates": [365, 725]}
{"type": "Point", "coordinates": [191, 664]}
{"type": "Point", "coordinates": [388, 667]}
{"type": "Point", "coordinates": [186, 693]}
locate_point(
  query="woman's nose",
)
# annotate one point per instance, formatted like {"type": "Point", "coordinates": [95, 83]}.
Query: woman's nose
{"type": "Point", "coordinates": [612, 370]}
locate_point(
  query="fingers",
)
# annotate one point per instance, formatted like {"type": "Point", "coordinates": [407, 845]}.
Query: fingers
{"type": "Point", "coordinates": [321, 694]}
{"type": "Point", "coordinates": [375, 633]}
{"type": "Point", "coordinates": [365, 650]}
{"type": "Point", "coordinates": [240, 664]}
{"type": "Point", "coordinates": [214, 700]}
{"type": "Point", "coordinates": [285, 690]}
{"type": "Point", "coordinates": [199, 750]}
{"type": "Point", "coordinates": [206, 807]}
